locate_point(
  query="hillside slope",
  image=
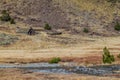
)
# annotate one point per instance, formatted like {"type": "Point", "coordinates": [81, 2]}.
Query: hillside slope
{"type": "Point", "coordinates": [71, 15]}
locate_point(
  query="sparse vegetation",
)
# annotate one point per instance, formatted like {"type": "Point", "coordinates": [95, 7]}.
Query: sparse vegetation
{"type": "Point", "coordinates": [4, 12]}
{"type": "Point", "coordinates": [6, 17]}
{"type": "Point", "coordinates": [118, 56]}
{"type": "Point", "coordinates": [117, 26]}
{"type": "Point", "coordinates": [113, 1]}
{"type": "Point", "coordinates": [47, 27]}
{"type": "Point", "coordinates": [55, 60]}
{"type": "Point", "coordinates": [12, 21]}
{"type": "Point", "coordinates": [85, 30]}
{"type": "Point", "coordinates": [6, 39]}
{"type": "Point", "coordinates": [107, 57]}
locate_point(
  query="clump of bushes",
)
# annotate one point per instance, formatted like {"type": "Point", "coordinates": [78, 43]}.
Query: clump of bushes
{"type": "Point", "coordinates": [55, 60]}
{"type": "Point", "coordinates": [107, 57]}
{"type": "Point", "coordinates": [117, 26]}
{"type": "Point", "coordinates": [85, 30]}
{"type": "Point", "coordinates": [6, 17]}
{"type": "Point", "coordinates": [47, 27]}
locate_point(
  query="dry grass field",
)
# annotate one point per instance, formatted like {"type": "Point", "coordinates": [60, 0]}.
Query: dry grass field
{"type": "Point", "coordinates": [42, 47]}
{"type": "Point", "coordinates": [87, 47]}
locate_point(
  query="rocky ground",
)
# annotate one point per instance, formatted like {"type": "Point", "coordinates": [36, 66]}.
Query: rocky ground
{"type": "Point", "coordinates": [15, 74]}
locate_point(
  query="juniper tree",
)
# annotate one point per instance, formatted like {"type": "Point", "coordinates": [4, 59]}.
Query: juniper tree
{"type": "Point", "coordinates": [107, 57]}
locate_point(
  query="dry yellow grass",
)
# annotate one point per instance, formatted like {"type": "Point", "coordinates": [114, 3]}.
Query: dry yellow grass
{"type": "Point", "coordinates": [102, 8]}
{"type": "Point", "coordinates": [42, 46]}
{"type": "Point", "coordinates": [26, 50]}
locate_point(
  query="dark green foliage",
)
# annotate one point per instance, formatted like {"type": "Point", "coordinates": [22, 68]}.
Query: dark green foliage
{"type": "Point", "coordinates": [12, 21]}
{"type": "Point", "coordinates": [54, 60]}
{"type": "Point", "coordinates": [85, 30]}
{"type": "Point", "coordinates": [5, 16]}
{"type": "Point", "coordinates": [107, 57]}
{"type": "Point", "coordinates": [47, 27]}
{"type": "Point", "coordinates": [118, 56]}
{"type": "Point", "coordinates": [117, 26]}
